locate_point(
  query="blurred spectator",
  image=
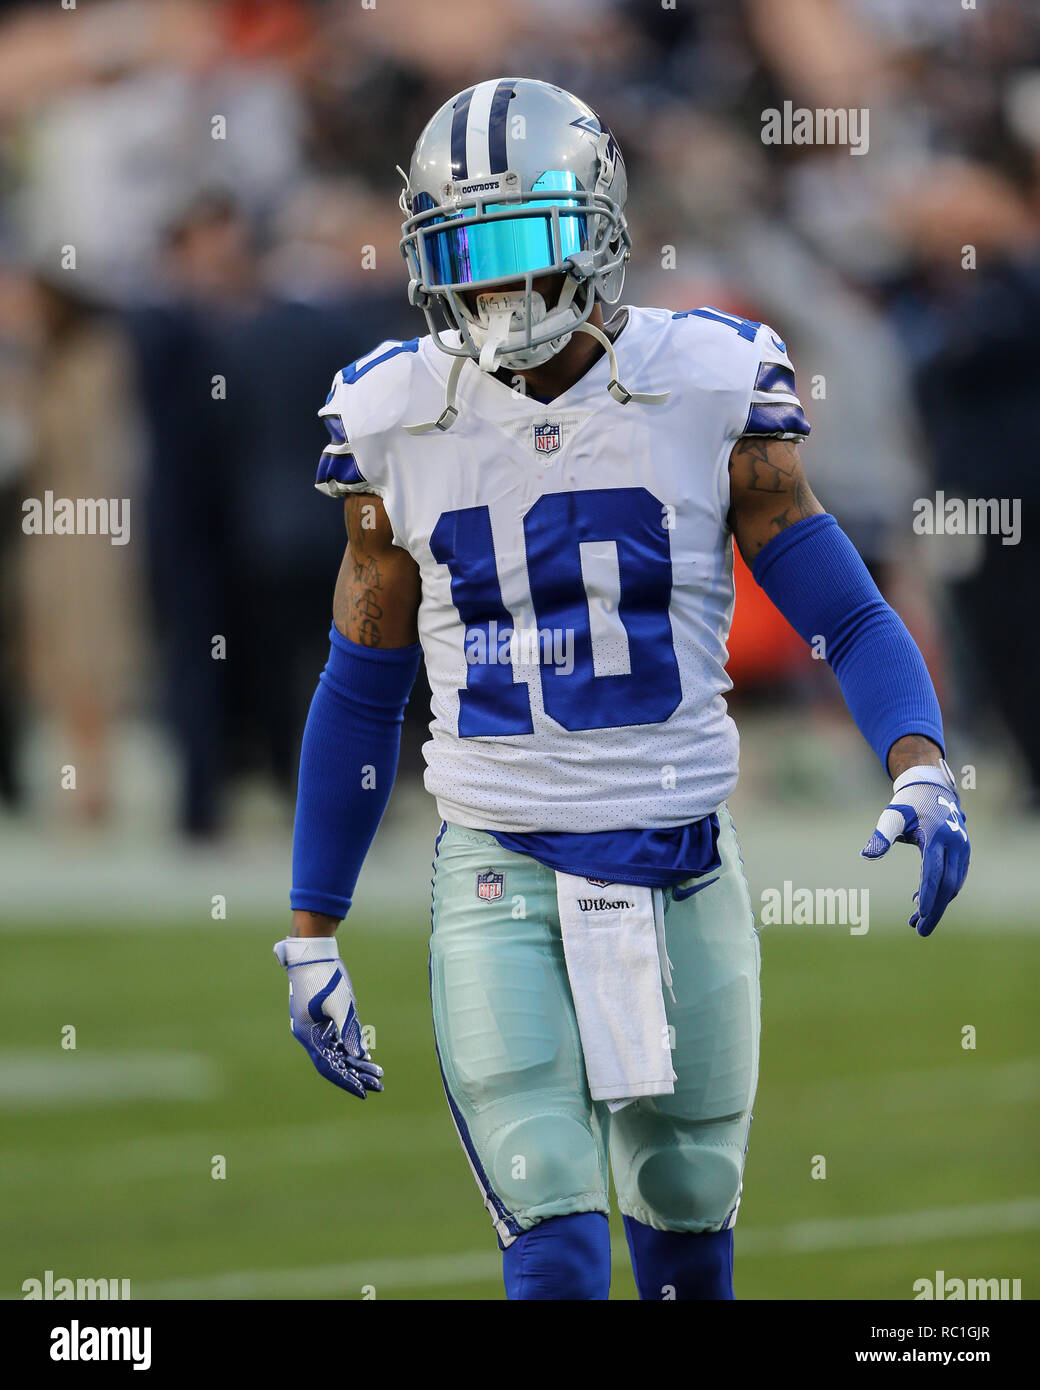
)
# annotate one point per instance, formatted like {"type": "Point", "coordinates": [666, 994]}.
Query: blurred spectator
{"type": "Point", "coordinates": [970, 331]}
{"type": "Point", "coordinates": [18, 345]}
{"type": "Point", "coordinates": [79, 592]}
{"type": "Point", "coordinates": [243, 549]}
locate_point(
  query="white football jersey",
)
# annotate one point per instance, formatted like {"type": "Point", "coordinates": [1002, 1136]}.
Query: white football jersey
{"type": "Point", "coordinates": [576, 564]}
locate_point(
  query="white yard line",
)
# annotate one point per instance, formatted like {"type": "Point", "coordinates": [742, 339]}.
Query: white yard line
{"type": "Point", "coordinates": [863, 1232]}
{"type": "Point", "coordinates": [159, 1157]}
{"type": "Point", "coordinates": [29, 1081]}
{"type": "Point", "coordinates": [473, 1266]}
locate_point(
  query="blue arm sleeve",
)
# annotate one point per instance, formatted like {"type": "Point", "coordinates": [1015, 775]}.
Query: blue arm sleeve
{"type": "Point", "coordinates": [347, 766]}
{"type": "Point", "coordinates": [815, 576]}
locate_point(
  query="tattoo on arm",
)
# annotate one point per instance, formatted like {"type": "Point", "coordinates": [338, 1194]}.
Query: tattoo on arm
{"type": "Point", "coordinates": [358, 607]}
{"type": "Point", "coordinates": [365, 600]}
{"type": "Point", "coordinates": [378, 590]}
{"type": "Point", "coordinates": [769, 464]}
{"type": "Point", "coordinates": [769, 491]}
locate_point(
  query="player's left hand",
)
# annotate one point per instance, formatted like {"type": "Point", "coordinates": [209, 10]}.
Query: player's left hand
{"type": "Point", "coordinates": [925, 811]}
{"type": "Point", "coordinates": [323, 1014]}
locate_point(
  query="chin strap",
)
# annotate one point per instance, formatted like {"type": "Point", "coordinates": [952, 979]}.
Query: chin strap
{"type": "Point", "coordinates": [497, 333]}
{"type": "Point", "coordinates": [449, 414]}
{"type": "Point", "coordinates": [497, 329]}
{"type": "Point", "coordinates": [614, 386]}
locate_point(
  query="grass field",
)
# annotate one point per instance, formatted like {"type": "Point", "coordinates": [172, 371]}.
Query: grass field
{"type": "Point", "coordinates": [183, 1053]}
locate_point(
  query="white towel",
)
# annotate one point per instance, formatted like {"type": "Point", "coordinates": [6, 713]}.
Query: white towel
{"type": "Point", "coordinates": [613, 943]}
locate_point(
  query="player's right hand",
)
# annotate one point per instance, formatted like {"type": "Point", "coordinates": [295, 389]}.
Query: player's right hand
{"type": "Point", "coordinates": [323, 1013]}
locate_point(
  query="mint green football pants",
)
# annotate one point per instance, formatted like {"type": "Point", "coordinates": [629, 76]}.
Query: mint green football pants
{"type": "Point", "coordinates": [511, 1058]}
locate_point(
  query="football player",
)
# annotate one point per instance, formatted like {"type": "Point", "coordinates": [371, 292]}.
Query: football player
{"type": "Point", "coordinates": [542, 495]}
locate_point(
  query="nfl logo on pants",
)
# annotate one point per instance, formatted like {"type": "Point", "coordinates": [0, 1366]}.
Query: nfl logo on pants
{"type": "Point", "coordinates": [490, 885]}
{"type": "Point", "coordinates": [547, 438]}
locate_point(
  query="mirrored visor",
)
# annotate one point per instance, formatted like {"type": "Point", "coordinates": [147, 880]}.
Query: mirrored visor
{"type": "Point", "coordinates": [511, 246]}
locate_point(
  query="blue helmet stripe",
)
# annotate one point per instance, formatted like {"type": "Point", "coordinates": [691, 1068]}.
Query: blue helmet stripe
{"type": "Point", "coordinates": [459, 167]}
{"type": "Point", "coordinates": [497, 128]}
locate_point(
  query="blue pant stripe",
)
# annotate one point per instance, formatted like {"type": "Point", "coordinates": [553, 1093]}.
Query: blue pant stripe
{"type": "Point", "coordinates": [506, 1224]}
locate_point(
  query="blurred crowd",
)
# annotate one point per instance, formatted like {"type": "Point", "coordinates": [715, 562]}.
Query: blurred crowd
{"type": "Point", "coordinates": [199, 225]}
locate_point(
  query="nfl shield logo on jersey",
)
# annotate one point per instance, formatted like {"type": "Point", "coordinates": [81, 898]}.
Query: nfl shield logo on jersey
{"type": "Point", "coordinates": [490, 885]}
{"type": "Point", "coordinates": [547, 438]}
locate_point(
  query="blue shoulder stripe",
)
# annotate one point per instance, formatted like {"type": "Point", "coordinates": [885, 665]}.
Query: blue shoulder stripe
{"type": "Point", "coordinates": [338, 468]}
{"type": "Point", "coordinates": [774, 377]}
{"type": "Point", "coordinates": [334, 425]}
{"type": "Point", "coordinates": [781, 418]}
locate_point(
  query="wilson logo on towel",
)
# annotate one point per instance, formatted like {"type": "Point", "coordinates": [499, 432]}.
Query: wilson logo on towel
{"type": "Point", "coordinates": [603, 904]}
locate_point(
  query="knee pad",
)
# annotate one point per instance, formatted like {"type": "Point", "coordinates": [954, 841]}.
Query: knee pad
{"type": "Point", "coordinates": [543, 1160]}
{"type": "Point", "coordinates": [680, 1265]}
{"type": "Point", "coordinates": [687, 1185]}
{"type": "Point", "coordinates": [566, 1257]}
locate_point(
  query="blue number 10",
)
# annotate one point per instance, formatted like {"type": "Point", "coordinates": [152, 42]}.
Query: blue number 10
{"type": "Point", "coordinates": [555, 528]}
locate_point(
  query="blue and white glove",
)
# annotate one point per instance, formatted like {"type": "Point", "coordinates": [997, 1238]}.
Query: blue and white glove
{"type": "Point", "coordinates": [925, 811]}
{"type": "Point", "coordinates": [323, 1014]}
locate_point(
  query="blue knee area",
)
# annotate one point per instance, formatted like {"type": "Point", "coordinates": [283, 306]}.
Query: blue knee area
{"type": "Point", "coordinates": [563, 1257]}
{"type": "Point", "coordinates": [680, 1265]}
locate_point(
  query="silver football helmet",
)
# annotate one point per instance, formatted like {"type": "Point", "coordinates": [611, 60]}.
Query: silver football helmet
{"type": "Point", "coordinates": [511, 180]}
